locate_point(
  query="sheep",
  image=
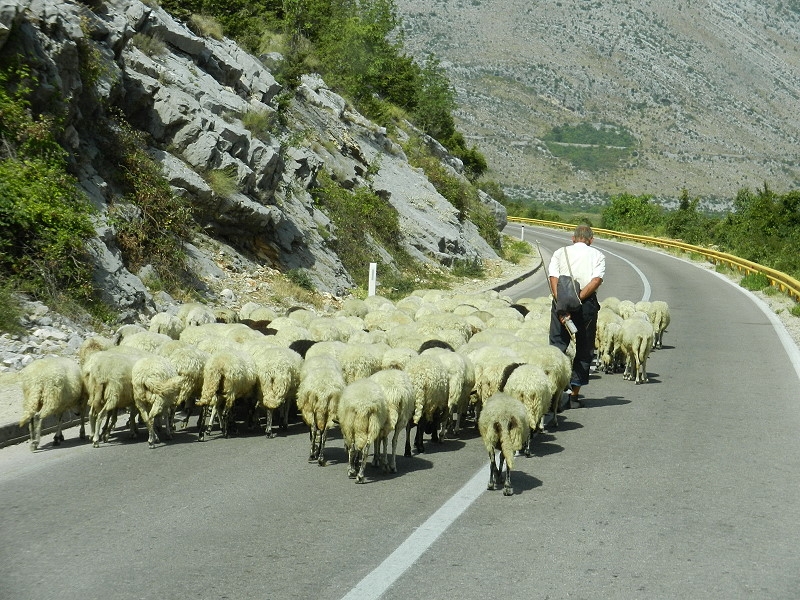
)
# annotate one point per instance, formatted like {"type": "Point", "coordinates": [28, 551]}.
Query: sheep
{"type": "Point", "coordinates": [278, 374]}
{"type": "Point", "coordinates": [51, 386]}
{"type": "Point", "coordinates": [461, 374]}
{"type": "Point", "coordinates": [167, 324]}
{"type": "Point", "coordinates": [124, 331]}
{"type": "Point", "coordinates": [363, 420]}
{"type": "Point", "coordinates": [189, 361]}
{"type": "Point", "coordinates": [354, 307]}
{"type": "Point", "coordinates": [608, 348]}
{"type": "Point", "coordinates": [321, 386]}
{"type": "Point", "coordinates": [659, 318]}
{"type": "Point", "coordinates": [361, 360]}
{"type": "Point", "coordinates": [228, 375]}
{"type": "Point", "coordinates": [556, 365]}
{"type": "Point", "coordinates": [503, 426]}
{"type": "Point", "coordinates": [626, 308]}
{"type": "Point", "coordinates": [529, 384]}
{"type": "Point", "coordinates": [107, 376]}
{"type": "Point", "coordinates": [156, 384]}
{"type": "Point", "coordinates": [91, 345]}
{"type": "Point", "coordinates": [636, 342]}
{"type": "Point", "coordinates": [148, 341]}
{"type": "Point", "coordinates": [196, 313]}
{"type": "Point", "coordinates": [431, 388]}
{"type": "Point", "coordinates": [399, 393]}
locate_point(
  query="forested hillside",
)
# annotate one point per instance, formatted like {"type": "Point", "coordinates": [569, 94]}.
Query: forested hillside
{"type": "Point", "coordinates": [696, 95]}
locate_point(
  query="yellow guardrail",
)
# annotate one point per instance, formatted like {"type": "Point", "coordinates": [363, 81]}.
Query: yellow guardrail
{"type": "Point", "coordinates": [782, 281]}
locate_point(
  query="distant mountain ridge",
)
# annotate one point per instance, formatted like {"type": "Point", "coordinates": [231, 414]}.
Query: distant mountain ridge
{"type": "Point", "coordinates": [709, 89]}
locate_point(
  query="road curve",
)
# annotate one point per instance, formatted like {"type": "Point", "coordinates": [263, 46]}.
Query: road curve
{"type": "Point", "coordinates": [686, 486]}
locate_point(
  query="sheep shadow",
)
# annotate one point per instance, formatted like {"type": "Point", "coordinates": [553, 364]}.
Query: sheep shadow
{"type": "Point", "coordinates": [521, 482]}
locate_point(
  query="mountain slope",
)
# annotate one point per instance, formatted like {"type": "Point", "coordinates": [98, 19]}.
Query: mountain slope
{"type": "Point", "coordinates": [709, 90]}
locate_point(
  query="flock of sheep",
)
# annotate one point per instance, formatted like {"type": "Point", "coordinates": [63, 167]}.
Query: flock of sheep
{"type": "Point", "coordinates": [373, 368]}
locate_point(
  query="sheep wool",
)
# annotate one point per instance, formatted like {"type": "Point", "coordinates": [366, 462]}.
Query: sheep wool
{"type": "Point", "coordinates": [503, 425]}
{"type": "Point", "coordinates": [321, 386]}
{"type": "Point", "coordinates": [363, 420]}
{"type": "Point", "coordinates": [399, 393]}
{"type": "Point", "coordinates": [156, 384]}
{"type": "Point", "coordinates": [51, 386]}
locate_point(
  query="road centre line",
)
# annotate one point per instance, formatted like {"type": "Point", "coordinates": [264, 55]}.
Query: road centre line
{"type": "Point", "coordinates": [399, 561]}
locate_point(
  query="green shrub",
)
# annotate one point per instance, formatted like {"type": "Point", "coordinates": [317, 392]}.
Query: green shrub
{"type": "Point", "coordinates": [470, 268]}
{"type": "Point", "coordinates": [154, 231]}
{"type": "Point", "coordinates": [300, 278]}
{"type": "Point", "coordinates": [514, 249]}
{"type": "Point", "coordinates": [796, 310]}
{"type": "Point", "coordinates": [45, 221]}
{"type": "Point", "coordinates": [754, 281]}
{"type": "Point", "coordinates": [10, 309]}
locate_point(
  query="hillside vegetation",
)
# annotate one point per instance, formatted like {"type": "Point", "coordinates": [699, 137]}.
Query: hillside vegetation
{"type": "Point", "coordinates": [710, 91]}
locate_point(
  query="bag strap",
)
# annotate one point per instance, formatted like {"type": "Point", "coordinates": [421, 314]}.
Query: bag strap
{"type": "Point", "coordinates": [571, 276]}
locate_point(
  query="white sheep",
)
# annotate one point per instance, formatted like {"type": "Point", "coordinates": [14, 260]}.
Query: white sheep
{"type": "Point", "coordinates": [189, 361]}
{"type": "Point", "coordinates": [321, 386]}
{"type": "Point", "coordinates": [168, 324]}
{"type": "Point", "coordinates": [229, 374]}
{"type": "Point", "coordinates": [156, 384]}
{"type": "Point", "coordinates": [461, 374]}
{"type": "Point", "coordinates": [503, 426]}
{"type": "Point", "coordinates": [361, 360]}
{"type": "Point", "coordinates": [278, 374]}
{"type": "Point", "coordinates": [556, 365]}
{"type": "Point", "coordinates": [149, 341]}
{"type": "Point", "coordinates": [107, 376]}
{"type": "Point", "coordinates": [363, 420]}
{"type": "Point", "coordinates": [431, 389]}
{"type": "Point", "coordinates": [399, 394]}
{"type": "Point", "coordinates": [660, 318]}
{"type": "Point", "coordinates": [636, 342]}
{"type": "Point", "coordinates": [529, 384]}
{"type": "Point", "coordinates": [51, 386]}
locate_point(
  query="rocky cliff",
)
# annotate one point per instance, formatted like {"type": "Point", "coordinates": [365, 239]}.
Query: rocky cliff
{"type": "Point", "coordinates": [190, 99]}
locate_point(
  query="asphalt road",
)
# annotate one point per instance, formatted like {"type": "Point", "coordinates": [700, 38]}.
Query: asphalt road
{"type": "Point", "coordinates": [684, 487]}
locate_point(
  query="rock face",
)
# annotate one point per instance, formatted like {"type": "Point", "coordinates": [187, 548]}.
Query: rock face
{"type": "Point", "coordinates": [190, 94]}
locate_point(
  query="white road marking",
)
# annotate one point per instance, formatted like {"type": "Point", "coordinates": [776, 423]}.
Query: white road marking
{"type": "Point", "coordinates": [399, 561]}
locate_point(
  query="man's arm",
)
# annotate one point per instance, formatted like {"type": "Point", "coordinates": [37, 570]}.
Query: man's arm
{"type": "Point", "coordinates": [553, 286]}
{"type": "Point", "coordinates": [589, 289]}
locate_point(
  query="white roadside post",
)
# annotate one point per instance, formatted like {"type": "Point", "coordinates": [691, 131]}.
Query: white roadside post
{"type": "Point", "coordinates": [522, 233]}
{"type": "Point", "coordinates": [373, 278]}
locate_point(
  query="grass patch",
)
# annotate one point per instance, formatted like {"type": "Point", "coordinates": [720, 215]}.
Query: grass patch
{"type": "Point", "coordinates": [754, 282]}
{"type": "Point", "coordinates": [206, 26]}
{"type": "Point", "coordinates": [300, 278]}
{"type": "Point", "coordinates": [514, 249]}
{"type": "Point", "coordinates": [795, 310]}
{"type": "Point", "coordinates": [151, 45]}
{"type": "Point", "coordinates": [470, 268]}
{"type": "Point", "coordinates": [222, 182]}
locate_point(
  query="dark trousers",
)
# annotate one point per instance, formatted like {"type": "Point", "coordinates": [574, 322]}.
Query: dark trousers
{"type": "Point", "coordinates": [585, 320]}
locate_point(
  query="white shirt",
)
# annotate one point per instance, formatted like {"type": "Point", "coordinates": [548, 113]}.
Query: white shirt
{"type": "Point", "coordinates": [586, 262]}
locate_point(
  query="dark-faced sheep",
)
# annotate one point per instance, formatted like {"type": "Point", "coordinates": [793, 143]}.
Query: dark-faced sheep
{"type": "Point", "coordinates": [503, 425]}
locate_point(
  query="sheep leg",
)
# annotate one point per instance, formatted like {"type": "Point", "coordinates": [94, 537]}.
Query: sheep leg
{"type": "Point", "coordinates": [323, 438]}
{"type": "Point", "coordinates": [507, 489]}
{"type": "Point", "coordinates": [99, 432]}
{"type": "Point", "coordinates": [35, 429]}
{"type": "Point", "coordinates": [364, 454]}
{"type": "Point", "coordinates": [268, 427]}
{"type": "Point", "coordinates": [492, 472]}
{"type": "Point", "coordinates": [419, 445]}
{"type": "Point", "coordinates": [407, 451]}
{"type": "Point", "coordinates": [144, 411]}
{"type": "Point", "coordinates": [201, 423]}
{"type": "Point", "coordinates": [393, 456]}
{"type": "Point", "coordinates": [352, 461]}
{"type": "Point", "coordinates": [312, 435]}
{"type": "Point", "coordinates": [58, 437]}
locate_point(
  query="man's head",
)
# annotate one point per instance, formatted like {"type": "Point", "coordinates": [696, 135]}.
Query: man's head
{"type": "Point", "coordinates": [583, 233]}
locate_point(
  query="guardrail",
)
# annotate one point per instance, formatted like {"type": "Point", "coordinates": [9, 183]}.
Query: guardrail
{"type": "Point", "coordinates": [782, 281]}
